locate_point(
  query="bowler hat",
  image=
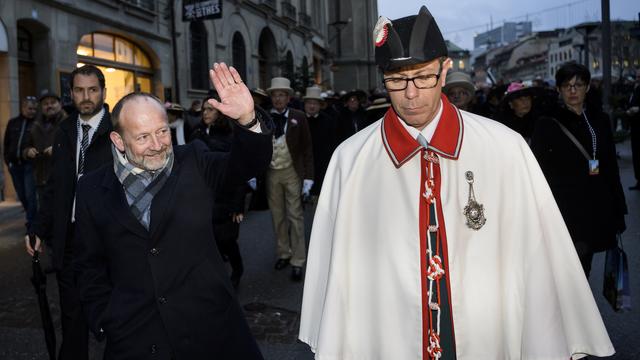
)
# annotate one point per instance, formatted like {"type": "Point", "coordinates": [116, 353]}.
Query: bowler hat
{"type": "Point", "coordinates": [313, 93]}
{"type": "Point", "coordinates": [459, 79]}
{"type": "Point", "coordinates": [173, 107]}
{"type": "Point", "coordinates": [280, 83]}
{"type": "Point", "coordinates": [408, 41]}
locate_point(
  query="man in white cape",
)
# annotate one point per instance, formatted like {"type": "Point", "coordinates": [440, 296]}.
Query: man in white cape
{"type": "Point", "coordinates": [436, 235]}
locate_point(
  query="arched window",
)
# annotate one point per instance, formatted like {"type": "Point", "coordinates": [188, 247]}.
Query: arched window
{"type": "Point", "coordinates": [288, 67]}
{"type": "Point", "coordinates": [239, 55]}
{"type": "Point", "coordinates": [125, 66]}
{"type": "Point", "coordinates": [199, 56]}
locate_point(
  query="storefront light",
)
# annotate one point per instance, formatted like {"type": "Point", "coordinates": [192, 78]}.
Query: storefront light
{"type": "Point", "coordinates": [79, 65]}
{"type": "Point", "coordinates": [111, 70]}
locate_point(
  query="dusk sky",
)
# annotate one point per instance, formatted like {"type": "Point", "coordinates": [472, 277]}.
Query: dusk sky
{"type": "Point", "coordinates": [459, 23]}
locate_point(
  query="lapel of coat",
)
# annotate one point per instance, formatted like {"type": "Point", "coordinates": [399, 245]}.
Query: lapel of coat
{"type": "Point", "coordinates": [70, 129]}
{"type": "Point", "coordinates": [103, 128]}
{"type": "Point", "coordinates": [117, 204]}
{"type": "Point", "coordinates": [163, 200]}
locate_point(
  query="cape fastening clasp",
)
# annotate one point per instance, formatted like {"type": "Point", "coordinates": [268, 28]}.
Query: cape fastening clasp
{"type": "Point", "coordinates": [473, 211]}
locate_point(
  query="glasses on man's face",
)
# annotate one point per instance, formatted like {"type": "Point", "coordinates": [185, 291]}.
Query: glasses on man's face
{"type": "Point", "coordinates": [421, 82]}
{"type": "Point", "coordinates": [578, 86]}
{"type": "Point", "coordinates": [30, 98]}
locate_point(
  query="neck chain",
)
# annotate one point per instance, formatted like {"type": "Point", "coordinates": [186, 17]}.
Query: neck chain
{"type": "Point", "coordinates": [593, 134]}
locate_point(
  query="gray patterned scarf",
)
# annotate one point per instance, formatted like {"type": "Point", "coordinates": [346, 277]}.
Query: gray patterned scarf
{"type": "Point", "coordinates": [140, 185]}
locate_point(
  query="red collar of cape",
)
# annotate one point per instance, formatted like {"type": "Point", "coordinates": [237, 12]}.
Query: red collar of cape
{"type": "Point", "coordinates": [446, 141]}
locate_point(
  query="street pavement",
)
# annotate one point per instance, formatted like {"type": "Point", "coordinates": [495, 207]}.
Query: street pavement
{"type": "Point", "coordinates": [270, 299]}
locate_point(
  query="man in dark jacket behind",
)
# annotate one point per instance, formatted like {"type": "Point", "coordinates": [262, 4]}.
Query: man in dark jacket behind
{"type": "Point", "coordinates": [150, 276]}
{"type": "Point", "coordinates": [39, 144]}
{"type": "Point", "coordinates": [81, 145]}
{"type": "Point", "coordinates": [21, 170]}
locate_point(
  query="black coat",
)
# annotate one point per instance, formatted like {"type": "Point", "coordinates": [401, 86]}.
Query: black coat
{"type": "Point", "coordinates": [324, 139]}
{"type": "Point", "coordinates": [593, 206]}
{"type": "Point", "coordinates": [54, 217]}
{"type": "Point", "coordinates": [13, 155]}
{"type": "Point", "coordinates": [165, 291]}
{"type": "Point", "coordinates": [228, 201]}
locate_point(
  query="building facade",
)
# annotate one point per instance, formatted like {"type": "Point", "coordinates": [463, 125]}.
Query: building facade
{"type": "Point", "coordinates": [166, 47]}
{"type": "Point", "coordinates": [507, 33]}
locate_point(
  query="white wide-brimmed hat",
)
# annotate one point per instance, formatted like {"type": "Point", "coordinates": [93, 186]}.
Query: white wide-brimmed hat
{"type": "Point", "coordinates": [461, 79]}
{"type": "Point", "coordinates": [313, 93]}
{"type": "Point", "coordinates": [280, 83]}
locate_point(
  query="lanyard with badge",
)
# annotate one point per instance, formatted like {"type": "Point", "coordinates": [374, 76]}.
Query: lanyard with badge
{"type": "Point", "coordinates": [594, 164]}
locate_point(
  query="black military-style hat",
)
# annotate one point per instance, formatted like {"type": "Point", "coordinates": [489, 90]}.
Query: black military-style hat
{"type": "Point", "coordinates": [407, 41]}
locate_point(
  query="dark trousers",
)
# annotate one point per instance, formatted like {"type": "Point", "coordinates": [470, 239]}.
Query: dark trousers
{"type": "Point", "coordinates": [585, 253]}
{"type": "Point", "coordinates": [75, 331]}
{"type": "Point", "coordinates": [25, 185]}
{"type": "Point", "coordinates": [635, 147]}
{"type": "Point", "coordinates": [226, 235]}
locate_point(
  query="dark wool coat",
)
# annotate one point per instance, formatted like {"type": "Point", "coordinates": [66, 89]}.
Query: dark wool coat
{"type": "Point", "coordinates": [298, 139]}
{"type": "Point", "coordinates": [324, 138]}
{"type": "Point", "coordinates": [42, 136]}
{"type": "Point", "coordinates": [593, 206]}
{"type": "Point", "coordinates": [163, 293]}
{"type": "Point", "coordinates": [54, 217]}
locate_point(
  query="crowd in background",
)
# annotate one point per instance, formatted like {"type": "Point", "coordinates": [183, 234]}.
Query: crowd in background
{"type": "Point", "coordinates": [331, 117]}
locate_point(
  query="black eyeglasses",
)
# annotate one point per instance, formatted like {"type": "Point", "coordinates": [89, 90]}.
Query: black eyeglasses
{"type": "Point", "coordinates": [428, 81]}
{"type": "Point", "coordinates": [575, 87]}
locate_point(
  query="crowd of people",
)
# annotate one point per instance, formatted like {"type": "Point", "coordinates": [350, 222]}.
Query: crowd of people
{"type": "Point", "coordinates": [96, 187]}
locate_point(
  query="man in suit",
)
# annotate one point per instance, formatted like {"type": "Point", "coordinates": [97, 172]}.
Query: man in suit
{"type": "Point", "coordinates": [81, 145]}
{"type": "Point", "coordinates": [150, 275]}
{"type": "Point", "coordinates": [291, 163]}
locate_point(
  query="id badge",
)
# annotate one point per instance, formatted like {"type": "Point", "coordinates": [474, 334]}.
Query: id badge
{"type": "Point", "coordinates": [594, 167]}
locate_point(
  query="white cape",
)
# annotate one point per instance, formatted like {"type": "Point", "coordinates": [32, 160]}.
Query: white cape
{"type": "Point", "coordinates": [518, 290]}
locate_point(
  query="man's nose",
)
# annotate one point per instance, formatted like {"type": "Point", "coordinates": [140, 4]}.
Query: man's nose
{"type": "Point", "coordinates": [411, 91]}
{"type": "Point", "coordinates": [156, 144]}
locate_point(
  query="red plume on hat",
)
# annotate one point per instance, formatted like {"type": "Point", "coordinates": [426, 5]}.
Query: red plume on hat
{"type": "Point", "coordinates": [407, 41]}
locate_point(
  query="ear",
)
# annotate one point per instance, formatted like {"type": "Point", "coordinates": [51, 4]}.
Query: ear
{"type": "Point", "coordinates": [116, 139]}
{"type": "Point", "coordinates": [446, 65]}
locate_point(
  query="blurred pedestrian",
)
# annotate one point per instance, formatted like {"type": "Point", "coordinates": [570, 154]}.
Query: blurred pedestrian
{"type": "Point", "coordinates": [81, 145]}
{"type": "Point", "coordinates": [20, 169]}
{"type": "Point", "coordinates": [574, 146]}
{"type": "Point", "coordinates": [377, 109]}
{"type": "Point", "coordinates": [39, 144]}
{"type": "Point", "coordinates": [151, 279]}
{"type": "Point", "coordinates": [193, 116]}
{"type": "Point", "coordinates": [633, 110]}
{"type": "Point", "coordinates": [180, 130]}
{"type": "Point", "coordinates": [216, 130]}
{"type": "Point", "coordinates": [459, 89]}
{"type": "Point", "coordinates": [323, 135]}
{"type": "Point", "coordinates": [290, 176]}
{"type": "Point", "coordinates": [437, 236]}
{"type": "Point", "coordinates": [351, 117]}
{"type": "Point", "coordinates": [516, 110]}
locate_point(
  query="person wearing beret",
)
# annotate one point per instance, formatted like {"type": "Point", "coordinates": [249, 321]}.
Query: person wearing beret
{"type": "Point", "coordinates": [436, 235]}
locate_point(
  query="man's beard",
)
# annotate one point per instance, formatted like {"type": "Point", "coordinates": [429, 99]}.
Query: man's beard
{"type": "Point", "coordinates": [143, 162]}
{"type": "Point", "coordinates": [94, 111]}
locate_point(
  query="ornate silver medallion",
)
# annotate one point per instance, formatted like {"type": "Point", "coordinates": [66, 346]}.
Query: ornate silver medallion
{"type": "Point", "coordinates": [473, 211]}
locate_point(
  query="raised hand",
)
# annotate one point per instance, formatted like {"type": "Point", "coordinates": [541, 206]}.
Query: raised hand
{"type": "Point", "coordinates": [236, 101]}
